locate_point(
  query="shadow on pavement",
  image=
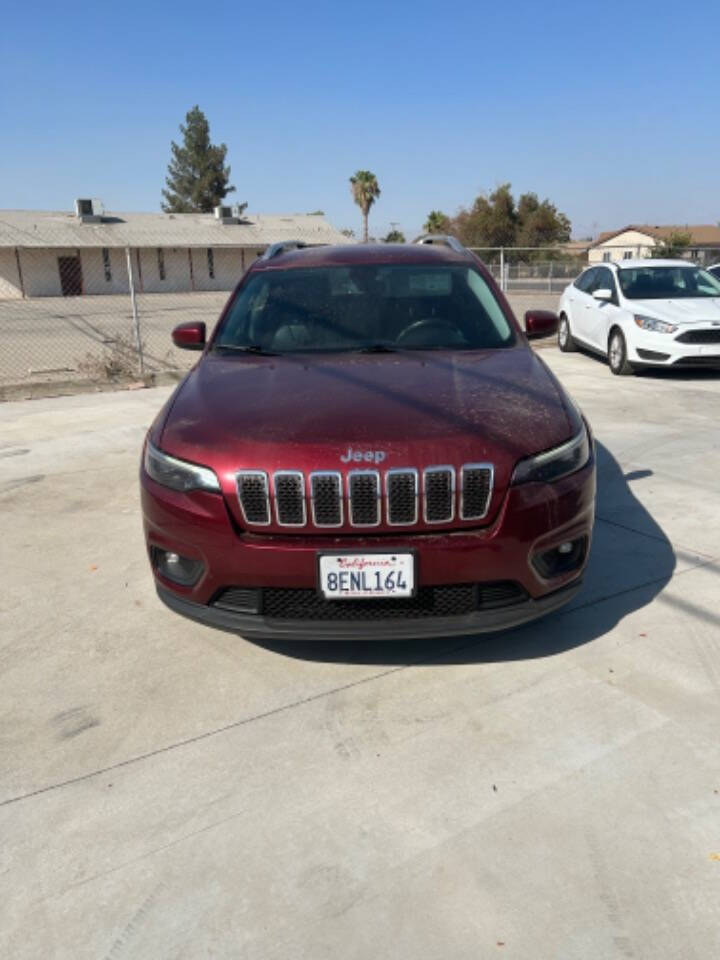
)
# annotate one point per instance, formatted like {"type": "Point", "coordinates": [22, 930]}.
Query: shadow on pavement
{"type": "Point", "coordinates": [630, 563]}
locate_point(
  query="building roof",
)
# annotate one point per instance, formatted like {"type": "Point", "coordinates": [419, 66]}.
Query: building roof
{"type": "Point", "coordinates": [43, 228]}
{"type": "Point", "coordinates": [701, 235]}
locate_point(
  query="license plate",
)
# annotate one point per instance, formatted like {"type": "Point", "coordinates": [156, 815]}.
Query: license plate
{"type": "Point", "coordinates": [355, 576]}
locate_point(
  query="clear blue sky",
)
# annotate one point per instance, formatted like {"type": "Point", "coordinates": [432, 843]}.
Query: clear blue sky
{"type": "Point", "coordinates": [610, 110]}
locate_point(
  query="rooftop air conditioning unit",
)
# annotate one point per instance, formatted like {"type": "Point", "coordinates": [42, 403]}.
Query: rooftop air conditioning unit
{"type": "Point", "coordinates": [231, 214]}
{"type": "Point", "coordinates": [89, 210]}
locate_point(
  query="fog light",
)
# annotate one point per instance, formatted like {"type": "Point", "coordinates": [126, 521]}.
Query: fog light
{"type": "Point", "coordinates": [564, 558]}
{"type": "Point", "coordinates": [173, 566]}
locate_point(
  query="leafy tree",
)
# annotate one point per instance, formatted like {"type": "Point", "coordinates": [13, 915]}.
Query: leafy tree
{"type": "Point", "coordinates": [394, 236]}
{"type": "Point", "coordinates": [490, 222]}
{"type": "Point", "coordinates": [540, 224]}
{"type": "Point", "coordinates": [365, 190]}
{"type": "Point", "coordinates": [316, 213]}
{"type": "Point", "coordinates": [673, 246]}
{"type": "Point", "coordinates": [197, 179]}
{"type": "Point", "coordinates": [497, 221]}
{"type": "Point", "coordinates": [437, 222]}
{"type": "Point", "coordinates": [347, 232]}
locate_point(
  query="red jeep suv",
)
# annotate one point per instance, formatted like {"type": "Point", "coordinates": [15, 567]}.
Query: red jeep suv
{"type": "Point", "coordinates": [368, 448]}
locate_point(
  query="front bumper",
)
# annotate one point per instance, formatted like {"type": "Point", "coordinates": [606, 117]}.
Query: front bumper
{"type": "Point", "coordinates": [648, 348]}
{"type": "Point", "coordinates": [256, 625]}
{"type": "Point", "coordinates": [534, 517]}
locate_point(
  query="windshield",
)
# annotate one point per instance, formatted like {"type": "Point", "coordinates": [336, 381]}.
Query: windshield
{"type": "Point", "coordinates": [368, 307]}
{"type": "Point", "coordinates": [667, 283]}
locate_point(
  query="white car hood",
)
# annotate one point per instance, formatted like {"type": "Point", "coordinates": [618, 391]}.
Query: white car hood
{"type": "Point", "coordinates": [690, 310]}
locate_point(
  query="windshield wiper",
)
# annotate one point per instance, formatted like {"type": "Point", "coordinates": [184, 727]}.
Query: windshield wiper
{"type": "Point", "coordinates": [253, 348]}
{"type": "Point", "coordinates": [376, 348]}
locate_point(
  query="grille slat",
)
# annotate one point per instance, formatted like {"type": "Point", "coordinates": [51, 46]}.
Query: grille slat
{"type": "Point", "coordinates": [364, 497]}
{"type": "Point", "coordinates": [290, 498]}
{"type": "Point", "coordinates": [252, 488]}
{"type": "Point", "coordinates": [439, 494]}
{"type": "Point", "coordinates": [327, 506]}
{"type": "Point", "coordinates": [476, 480]}
{"type": "Point", "coordinates": [401, 491]}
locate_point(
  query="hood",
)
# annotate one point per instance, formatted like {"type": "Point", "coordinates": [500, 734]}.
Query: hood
{"type": "Point", "coordinates": [414, 409]}
{"type": "Point", "coordinates": [682, 310]}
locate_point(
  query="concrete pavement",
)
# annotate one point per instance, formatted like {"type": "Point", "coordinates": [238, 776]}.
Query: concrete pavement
{"type": "Point", "coordinates": [167, 791]}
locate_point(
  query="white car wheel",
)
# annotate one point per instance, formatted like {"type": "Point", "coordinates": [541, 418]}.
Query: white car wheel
{"type": "Point", "coordinates": [617, 355]}
{"type": "Point", "coordinates": [566, 341]}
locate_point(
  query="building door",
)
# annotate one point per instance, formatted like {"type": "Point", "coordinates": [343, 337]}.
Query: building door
{"type": "Point", "coordinates": [70, 276]}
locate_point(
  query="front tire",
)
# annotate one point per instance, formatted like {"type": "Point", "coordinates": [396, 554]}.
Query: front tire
{"type": "Point", "coordinates": [565, 339]}
{"type": "Point", "coordinates": [617, 355]}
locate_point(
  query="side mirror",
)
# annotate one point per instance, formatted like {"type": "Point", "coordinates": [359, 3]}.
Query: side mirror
{"type": "Point", "coordinates": [189, 336]}
{"type": "Point", "coordinates": [603, 294]}
{"type": "Point", "coordinates": [540, 323]}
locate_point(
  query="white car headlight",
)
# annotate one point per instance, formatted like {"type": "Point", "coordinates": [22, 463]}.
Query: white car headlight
{"type": "Point", "coordinates": [651, 323]}
{"type": "Point", "coordinates": [178, 474]}
{"type": "Point", "coordinates": [556, 463]}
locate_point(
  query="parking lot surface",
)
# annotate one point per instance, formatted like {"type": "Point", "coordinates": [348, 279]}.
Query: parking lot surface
{"type": "Point", "coordinates": [167, 791]}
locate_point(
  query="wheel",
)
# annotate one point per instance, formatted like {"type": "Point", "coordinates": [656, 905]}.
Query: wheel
{"type": "Point", "coordinates": [617, 355]}
{"type": "Point", "coordinates": [566, 341]}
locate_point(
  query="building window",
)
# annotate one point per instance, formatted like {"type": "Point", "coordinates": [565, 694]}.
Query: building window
{"type": "Point", "coordinates": [161, 263]}
{"type": "Point", "coordinates": [606, 256]}
{"type": "Point", "coordinates": [106, 264]}
{"type": "Point", "coordinates": [627, 255]}
{"type": "Point", "coordinates": [211, 263]}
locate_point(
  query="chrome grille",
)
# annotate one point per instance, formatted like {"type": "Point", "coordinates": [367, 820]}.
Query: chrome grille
{"type": "Point", "coordinates": [476, 481]}
{"type": "Point", "coordinates": [289, 498]}
{"type": "Point", "coordinates": [366, 498]}
{"type": "Point", "coordinates": [252, 487]}
{"type": "Point", "coordinates": [439, 494]}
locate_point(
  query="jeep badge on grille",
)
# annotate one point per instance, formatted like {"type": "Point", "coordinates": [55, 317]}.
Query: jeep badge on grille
{"type": "Point", "coordinates": [360, 456]}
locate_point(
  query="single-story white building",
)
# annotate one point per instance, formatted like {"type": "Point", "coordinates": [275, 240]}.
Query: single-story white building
{"type": "Point", "coordinates": [638, 241]}
{"type": "Point", "coordinates": [50, 254]}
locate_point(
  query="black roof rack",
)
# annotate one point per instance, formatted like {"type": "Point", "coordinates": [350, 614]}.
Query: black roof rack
{"type": "Point", "coordinates": [285, 246]}
{"type": "Point", "coordinates": [442, 240]}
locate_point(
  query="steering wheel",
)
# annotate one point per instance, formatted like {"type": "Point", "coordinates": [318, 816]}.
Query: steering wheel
{"type": "Point", "coordinates": [425, 326]}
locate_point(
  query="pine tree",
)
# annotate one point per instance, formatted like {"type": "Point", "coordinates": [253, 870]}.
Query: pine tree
{"type": "Point", "coordinates": [197, 179]}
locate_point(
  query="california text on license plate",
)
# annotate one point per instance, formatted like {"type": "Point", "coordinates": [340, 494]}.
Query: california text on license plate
{"type": "Point", "coordinates": [350, 576]}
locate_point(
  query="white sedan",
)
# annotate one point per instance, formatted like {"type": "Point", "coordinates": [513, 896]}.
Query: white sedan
{"type": "Point", "coordinates": [643, 313]}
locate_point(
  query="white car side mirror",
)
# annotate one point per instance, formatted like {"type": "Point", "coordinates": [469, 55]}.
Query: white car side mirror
{"type": "Point", "coordinates": [603, 294]}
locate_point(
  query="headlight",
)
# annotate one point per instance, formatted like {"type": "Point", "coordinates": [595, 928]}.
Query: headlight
{"type": "Point", "coordinates": [555, 463]}
{"type": "Point", "coordinates": [178, 474]}
{"type": "Point", "coordinates": [657, 326]}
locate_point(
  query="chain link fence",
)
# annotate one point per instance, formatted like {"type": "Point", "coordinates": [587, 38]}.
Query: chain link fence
{"type": "Point", "coordinates": [531, 269]}
{"type": "Point", "coordinates": [105, 315]}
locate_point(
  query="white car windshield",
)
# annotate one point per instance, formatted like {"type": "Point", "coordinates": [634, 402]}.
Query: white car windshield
{"type": "Point", "coordinates": [365, 307]}
{"type": "Point", "coordinates": [667, 283]}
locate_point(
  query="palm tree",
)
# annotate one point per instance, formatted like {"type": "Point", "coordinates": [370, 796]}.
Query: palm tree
{"type": "Point", "coordinates": [365, 190]}
{"type": "Point", "coordinates": [437, 222]}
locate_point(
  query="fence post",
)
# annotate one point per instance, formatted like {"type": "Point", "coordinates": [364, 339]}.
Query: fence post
{"type": "Point", "coordinates": [550, 278]}
{"type": "Point", "coordinates": [502, 269]}
{"type": "Point", "coordinates": [136, 319]}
